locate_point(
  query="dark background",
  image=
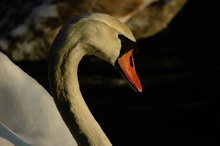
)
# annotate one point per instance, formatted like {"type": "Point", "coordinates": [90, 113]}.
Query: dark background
{"type": "Point", "coordinates": [179, 69]}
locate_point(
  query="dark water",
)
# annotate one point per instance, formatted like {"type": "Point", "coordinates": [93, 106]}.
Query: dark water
{"type": "Point", "coordinates": [179, 69]}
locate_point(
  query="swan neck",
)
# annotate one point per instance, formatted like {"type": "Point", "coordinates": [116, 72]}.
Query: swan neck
{"type": "Point", "coordinates": [68, 98]}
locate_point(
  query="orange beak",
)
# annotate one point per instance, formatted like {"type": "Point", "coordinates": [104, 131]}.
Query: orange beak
{"type": "Point", "coordinates": [127, 66]}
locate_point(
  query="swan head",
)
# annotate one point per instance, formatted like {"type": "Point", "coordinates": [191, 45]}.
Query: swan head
{"type": "Point", "coordinates": [107, 38]}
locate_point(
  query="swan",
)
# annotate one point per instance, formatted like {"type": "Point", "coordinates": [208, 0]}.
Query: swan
{"type": "Point", "coordinates": [29, 111]}
{"type": "Point", "coordinates": [39, 22]}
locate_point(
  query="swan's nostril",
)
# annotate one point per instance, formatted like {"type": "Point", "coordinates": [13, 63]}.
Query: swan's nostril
{"type": "Point", "coordinates": [131, 62]}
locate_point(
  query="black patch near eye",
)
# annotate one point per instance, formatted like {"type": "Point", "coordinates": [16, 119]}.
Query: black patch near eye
{"type": "Point", "coordinates": [127, 45]}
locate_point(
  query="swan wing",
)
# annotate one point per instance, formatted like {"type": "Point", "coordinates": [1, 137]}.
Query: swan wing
{"type": "Point", "coordinates": [8, 137]}
{"type": "Point", "coordinates": [28, 110]}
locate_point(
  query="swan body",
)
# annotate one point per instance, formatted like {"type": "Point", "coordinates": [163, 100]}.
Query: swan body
{"type": "Point", "coordinates": [31, 113]}
{"type": "Point", "coordinates": [28, 109]}
{"type": "Point", "coordinates": [8, 137]}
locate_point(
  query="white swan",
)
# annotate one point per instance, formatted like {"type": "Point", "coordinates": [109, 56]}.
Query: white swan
{"type": "Point", "coordinates": [29, 111]}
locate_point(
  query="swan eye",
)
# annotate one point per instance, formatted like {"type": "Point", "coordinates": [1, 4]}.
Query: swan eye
{"type": "Point", "coordinates": [127, 45]}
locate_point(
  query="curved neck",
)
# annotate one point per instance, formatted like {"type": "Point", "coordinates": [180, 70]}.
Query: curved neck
{"type": "Point", "coordinates": [63, 66]}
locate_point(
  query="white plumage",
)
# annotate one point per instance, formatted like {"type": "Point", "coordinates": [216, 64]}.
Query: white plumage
{"type": "Point", "coordinates": [28, 109]}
